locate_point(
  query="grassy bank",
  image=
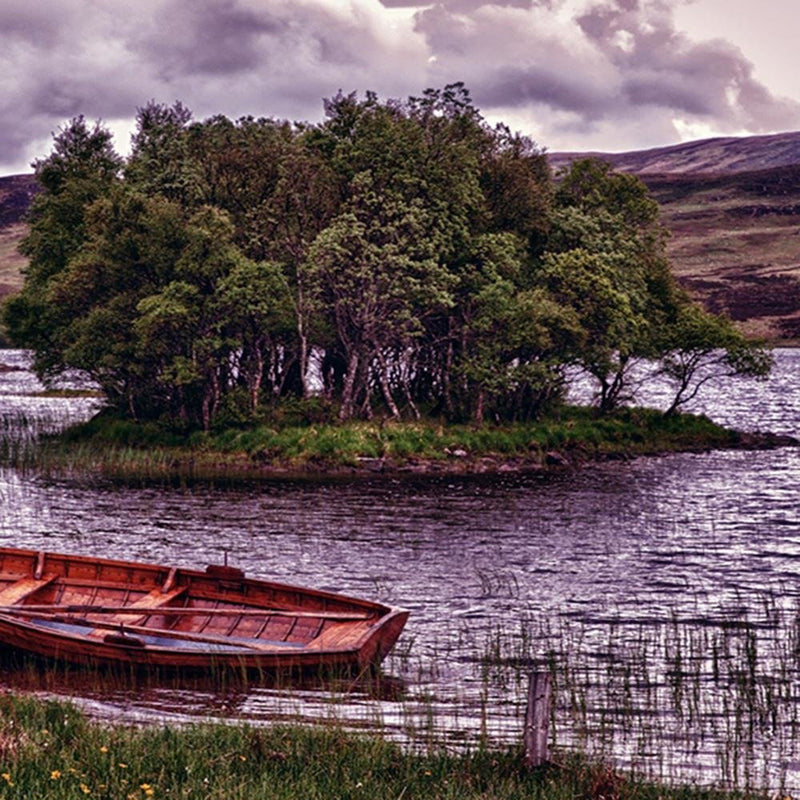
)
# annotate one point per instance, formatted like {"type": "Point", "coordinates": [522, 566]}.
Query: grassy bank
{"type": "Point", "coordinates": [118, 447]}
{"type": "Point", "coordinates": [49, 750]}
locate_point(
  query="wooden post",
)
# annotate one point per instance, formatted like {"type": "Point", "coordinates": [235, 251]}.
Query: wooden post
{"type": "Point", "coordinates": [537, 720]}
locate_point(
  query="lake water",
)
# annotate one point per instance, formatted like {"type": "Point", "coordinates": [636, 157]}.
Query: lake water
{"type": "Point", "coordinates": [662, 591]}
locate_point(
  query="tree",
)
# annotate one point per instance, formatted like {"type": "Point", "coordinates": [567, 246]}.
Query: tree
{"type": "Point", "coordinates": [82, 168]}
{"type": "Point", "coordinates": [159, 162]}
{"type": "Point", "coordinates": [607, 260]}
{"type": "Point", "coordinates": [133, 243]}
{"type": "Point", "coordinates": [377, 273]}
{"type": "Point", "coordinates": [609, 325]}
{"type": "Point", "coordinates": [515, 179]}
{"type": "Point", "coordinates": [255, 302]}
{"type": "Point", "coordinates": [702, 347]}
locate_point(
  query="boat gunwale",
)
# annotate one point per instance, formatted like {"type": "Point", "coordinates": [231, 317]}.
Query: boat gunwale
{"type": "Point", "coordinates": [183, 572]}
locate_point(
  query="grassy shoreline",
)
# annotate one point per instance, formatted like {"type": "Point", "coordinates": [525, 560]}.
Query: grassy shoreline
{"type": "Point", "coordinates": [119, 448]}
{"type": "Point", "coordinates": [50, 749]}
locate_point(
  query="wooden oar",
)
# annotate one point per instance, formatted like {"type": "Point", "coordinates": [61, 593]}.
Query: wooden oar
{"type": "Point", "coordinates": [163, 632]}
{"type": "Point", "coordinates": [154, 611]}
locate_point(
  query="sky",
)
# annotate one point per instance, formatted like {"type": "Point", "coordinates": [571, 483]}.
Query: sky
{"type": "Point", "coordinates": [602, 75]}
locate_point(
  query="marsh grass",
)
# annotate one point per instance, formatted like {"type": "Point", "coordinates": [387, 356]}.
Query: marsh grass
{"type": "Point", "coordinates": [48, 749]}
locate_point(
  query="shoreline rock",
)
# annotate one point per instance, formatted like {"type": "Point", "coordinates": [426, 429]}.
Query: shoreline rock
{"type": "Point", "coordinates": [464, 464]}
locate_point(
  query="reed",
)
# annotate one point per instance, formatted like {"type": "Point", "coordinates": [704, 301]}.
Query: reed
{"type": "Point", "coordinates": [709, 697]}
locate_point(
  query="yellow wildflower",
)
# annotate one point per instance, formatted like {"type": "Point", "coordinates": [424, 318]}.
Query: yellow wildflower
{"type": "Point", "coordinates": [55, 774]}
{"type": "Point", "coordinates": [7, 778]}
{"type": "Point", "coordinates": [85, 789]}
{"type": "Point", "coordinates": [147, 789]}
{"type": "Point", "coordinates": [103, 749]}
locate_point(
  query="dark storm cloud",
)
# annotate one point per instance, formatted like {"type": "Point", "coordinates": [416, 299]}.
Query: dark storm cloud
{"type": "Point", "coordinates": [538, 84]}
{"type": "Point", "coordinates": [21, 23]}
{"type": "Point", "coordinates": [215, 37]}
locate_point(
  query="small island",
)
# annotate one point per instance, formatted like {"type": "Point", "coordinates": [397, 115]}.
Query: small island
{"type": "Point", "coordinates": [399, 288]}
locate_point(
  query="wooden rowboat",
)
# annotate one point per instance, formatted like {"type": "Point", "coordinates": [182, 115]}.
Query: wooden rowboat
{"type": "Point", "coordinates": [104, 612]}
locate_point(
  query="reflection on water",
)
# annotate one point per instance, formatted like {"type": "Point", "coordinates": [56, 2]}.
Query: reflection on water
{"type": "Point", "coordinates": [625, 576]}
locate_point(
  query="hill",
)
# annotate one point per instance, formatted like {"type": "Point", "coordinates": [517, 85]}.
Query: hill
{"type": "Point", "coordinates": [732, 206]}
{"type": "Point", "coordinates": [16, 193]}
{"type": "Point", "coordinates": [722, 155]}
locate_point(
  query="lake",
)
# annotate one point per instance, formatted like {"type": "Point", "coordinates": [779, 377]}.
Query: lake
{"type": "Point", "coordinates": [663, 592]}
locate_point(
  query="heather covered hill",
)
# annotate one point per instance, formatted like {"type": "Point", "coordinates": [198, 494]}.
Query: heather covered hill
{"type": "Point", "coordinates": [16, 193]}
{"type": "Point", "coordinates": [732, 206]}
{"type": "Point", "coordinates": [736, 244]}
{"type": "Point", "coordinates": [721, 155]}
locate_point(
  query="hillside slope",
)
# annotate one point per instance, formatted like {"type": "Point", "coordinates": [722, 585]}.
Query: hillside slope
{"type": "Point", "coordinates": [731, 204]}
{"type": "Point", "coordinates": [735, 244]}
{"type": "Point", "coordinates": [733, 209]}
{"type": "Point", "coordinates": [16, 193]}
{"type": "Point", "coordinates": [722, 155]}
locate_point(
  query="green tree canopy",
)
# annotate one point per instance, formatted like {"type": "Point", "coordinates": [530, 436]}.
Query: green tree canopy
{"type": "Point", "coordinates": [399, 257]}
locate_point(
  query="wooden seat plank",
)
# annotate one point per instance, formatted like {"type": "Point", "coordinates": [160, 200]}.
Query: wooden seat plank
{"type": "Point", "coordinates": [158, 597]}
{"type": "Point", "coordinates": [337, 635]}
{"type": "Point", "coordinates": [24, 587]}
{"type": "Point", "coordinates": [140, 608]}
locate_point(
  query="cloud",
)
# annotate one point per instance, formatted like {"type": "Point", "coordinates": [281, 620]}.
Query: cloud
{"type": "Point", "coordinates": [279, 58]}
{"type": "Point", "coordinates": [662, 68]}
{"type": "Point", "coordinates": [579, 73]}
{"type": "Point", "coordinates": [465, 5]}
{"type": "Point", "coordinates": [619, 64]}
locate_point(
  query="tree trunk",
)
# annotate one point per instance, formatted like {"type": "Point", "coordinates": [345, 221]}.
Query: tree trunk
{"type": "Point", "coordinates": [303, 338]}
{"type": "Point", "coordinates": [346, 410]}
{"type": "Point", "coordinates": [385, 389]}
{"type": "Point", "coordinates": [206, 410]}
{"type": "Point", "coordinates": [256, 376]}
{"type": "Point", "coordinates": [480, 404]}
{"type": "Point", "coordinates": [448, 368]}
{"type": "Point", "coordinates": [132, 405]}
{"type": "Point", "coordinates": [409, 399]}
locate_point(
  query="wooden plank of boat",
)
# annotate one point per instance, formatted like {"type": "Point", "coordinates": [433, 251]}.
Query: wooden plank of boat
{"type": "Point", "coordinates": [183, 611]}
{"type": "Point", "coordinates": [158, 635]}
{"type": "Point", "coordinates": [24, 587]}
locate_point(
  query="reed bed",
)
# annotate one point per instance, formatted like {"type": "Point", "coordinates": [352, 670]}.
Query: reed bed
{"type": "Point", "coordinates": [710, 698]}
{"type": "Point", "coordinates": [120, 449]}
